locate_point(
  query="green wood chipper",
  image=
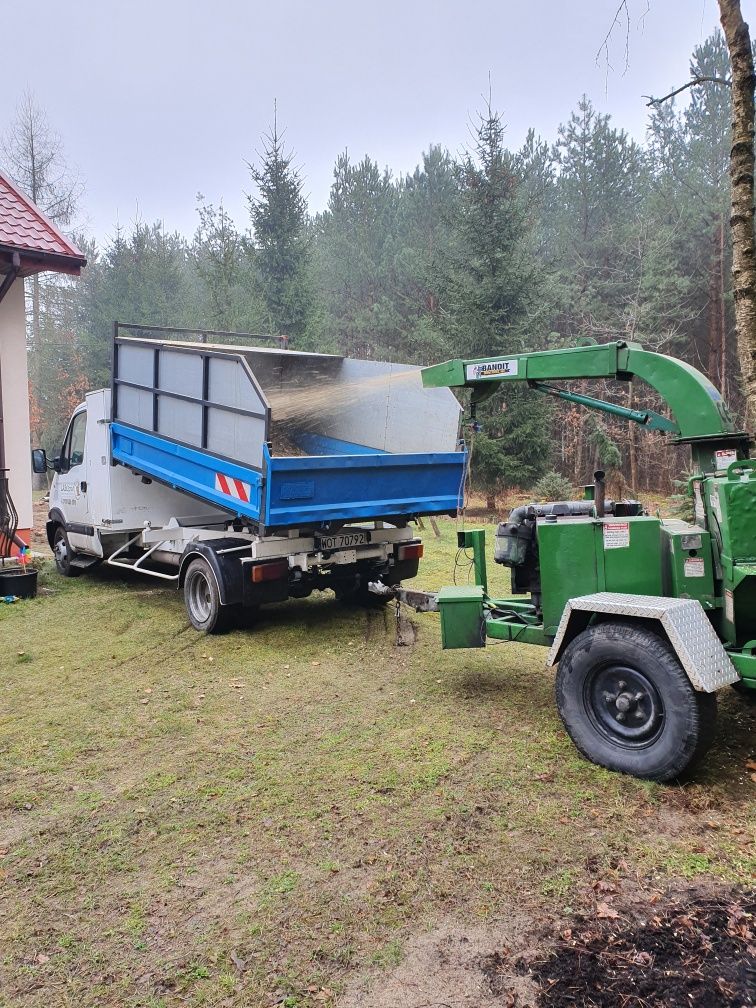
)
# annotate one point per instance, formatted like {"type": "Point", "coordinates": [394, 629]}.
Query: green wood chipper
{"type": "Point", "coordinates": [646, 618]}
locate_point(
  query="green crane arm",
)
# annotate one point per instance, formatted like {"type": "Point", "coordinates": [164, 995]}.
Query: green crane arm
{"type": "Point", "coordinates": [696, 405]}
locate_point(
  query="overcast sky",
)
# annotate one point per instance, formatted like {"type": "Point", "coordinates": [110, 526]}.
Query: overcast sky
{"type": "Point", "coordinates": [157, 100]}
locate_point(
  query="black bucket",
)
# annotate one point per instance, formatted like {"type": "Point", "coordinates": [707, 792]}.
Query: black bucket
{"type": "Point", "coordinates": [18, 581]}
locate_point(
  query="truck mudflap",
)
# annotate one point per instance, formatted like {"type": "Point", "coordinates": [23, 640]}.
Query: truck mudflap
{"type": "Point", "coordinates": [701, 654]}
{"type": "Point", "coordinates": [223, 557]}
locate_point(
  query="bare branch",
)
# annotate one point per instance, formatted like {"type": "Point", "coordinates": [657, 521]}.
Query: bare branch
{"type": "Point", "coordinates": [691, 83]}
{"type": "Point", "coordinates": [622, 9]}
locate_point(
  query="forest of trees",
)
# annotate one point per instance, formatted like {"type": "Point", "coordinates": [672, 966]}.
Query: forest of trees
{"type": "Point", "coordinates": [493, 251]}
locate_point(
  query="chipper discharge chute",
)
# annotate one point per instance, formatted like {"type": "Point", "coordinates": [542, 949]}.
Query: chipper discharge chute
{"type": "Point", "coordinates": [645, 617]}
{"type": "Point", "coordinates": [248, 474]}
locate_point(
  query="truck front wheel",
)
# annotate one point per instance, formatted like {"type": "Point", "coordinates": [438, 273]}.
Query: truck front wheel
{"type": "Point", "coordinates": [63, 553]}
{"type": "Point", "coordinates": [202, 599]}
{"type": "Point", "coordinates": [628, 705]}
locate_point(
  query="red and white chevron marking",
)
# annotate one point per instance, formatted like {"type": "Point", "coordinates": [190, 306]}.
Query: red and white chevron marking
{"type": "Point", "coordinates": [233, 487]}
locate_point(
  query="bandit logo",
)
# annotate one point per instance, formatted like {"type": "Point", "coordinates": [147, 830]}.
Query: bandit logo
{"type": "Point", "coordinates": [492, 369]}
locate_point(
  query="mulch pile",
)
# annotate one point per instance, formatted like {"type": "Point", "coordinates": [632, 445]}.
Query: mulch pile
{"type": "Point", "coordinates": [698, 955]}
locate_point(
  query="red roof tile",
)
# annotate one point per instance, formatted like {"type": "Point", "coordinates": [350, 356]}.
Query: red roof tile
{"type": "Point", "coordinates": [23, 226]}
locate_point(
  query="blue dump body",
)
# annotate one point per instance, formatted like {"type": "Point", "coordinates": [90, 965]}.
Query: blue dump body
{"type": "Point", "coordinates": [352, 439]}
{"type": "Point", "coordinates": [350, 483]}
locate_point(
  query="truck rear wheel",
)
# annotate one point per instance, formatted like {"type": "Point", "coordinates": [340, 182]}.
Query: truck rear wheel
{"type": "Point", "coordinates": [202, 599]}
{"type": "Point", "coordinates": [628, 705]}
{"type": "Point", "coordinates": [63, 553]}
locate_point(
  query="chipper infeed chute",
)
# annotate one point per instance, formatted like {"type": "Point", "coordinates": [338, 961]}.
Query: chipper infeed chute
{"type": "Point", "coordinates": [286, 438]}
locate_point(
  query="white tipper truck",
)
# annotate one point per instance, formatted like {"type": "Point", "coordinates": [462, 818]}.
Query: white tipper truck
{"type": "Point", "coordinates": [173, 472]}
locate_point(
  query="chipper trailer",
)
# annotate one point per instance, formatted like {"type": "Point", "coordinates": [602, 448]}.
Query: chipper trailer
{"type": "Point", "coordinates": [249, 474]}
{"type": "Point", "coordinates": [645, 617]}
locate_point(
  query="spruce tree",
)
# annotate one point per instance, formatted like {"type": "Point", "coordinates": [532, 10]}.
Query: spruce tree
{"type": "Point", "coordinates": [494, 282]}
{"type": "Point", "coordinates": [281, 245]}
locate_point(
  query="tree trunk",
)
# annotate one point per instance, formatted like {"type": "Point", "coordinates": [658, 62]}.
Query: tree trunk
{"type": "Point", "coordinates": [741, 179]}
{"type": "Point", "coordinates": [716, 309]}
{"type": "Point", "coordinates": [723, 385]}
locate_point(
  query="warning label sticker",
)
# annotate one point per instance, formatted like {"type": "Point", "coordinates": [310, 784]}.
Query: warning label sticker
{"type": "Point", "coordinates": [616, 535]}
{"type": "Point", "coordinates": [694, 567]}
{"type": "Point", "coordinates": [729, 607]}
{"type": "Point", "coordinates": [725, 457]}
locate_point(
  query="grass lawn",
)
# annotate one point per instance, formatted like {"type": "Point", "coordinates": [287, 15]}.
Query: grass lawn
{"type": "Point", "coordinates": [275, 816]}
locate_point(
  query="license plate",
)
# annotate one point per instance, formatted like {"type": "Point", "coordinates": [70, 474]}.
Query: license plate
{"type": "Point", "coordinates": [344, 540]}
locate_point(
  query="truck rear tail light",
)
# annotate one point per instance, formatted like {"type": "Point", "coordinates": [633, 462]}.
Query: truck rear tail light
{"type": "Point", "coordinates": [411, 552]}
{"type": "Point", "coordinates": [270, 571]}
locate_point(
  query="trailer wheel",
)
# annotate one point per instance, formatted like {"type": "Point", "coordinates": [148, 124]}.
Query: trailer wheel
{"type": "Point", "coordinates": [628, 705]}
{"type": "Point", "coordinates": [63, 553]}
{"type": "Point", "coordinates": [202, 599]}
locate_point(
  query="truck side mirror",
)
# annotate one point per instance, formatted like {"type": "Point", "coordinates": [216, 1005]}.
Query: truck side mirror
{"type": "Point", "coordinates": [39, 460]}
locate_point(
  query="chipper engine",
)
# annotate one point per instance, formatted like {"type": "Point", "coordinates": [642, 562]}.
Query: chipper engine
{"type": "Point", "coordinates": [645, 617]}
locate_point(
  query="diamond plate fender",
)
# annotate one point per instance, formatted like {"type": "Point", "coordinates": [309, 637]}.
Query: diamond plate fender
{"type": "Point", "coordinates": [689, 632]}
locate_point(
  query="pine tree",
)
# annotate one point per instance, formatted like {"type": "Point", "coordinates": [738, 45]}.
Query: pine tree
{"type": "Point", "coordinates": [224, 264]}
{"type": "Point", "coordinates": [141, 277]}
{"type": "Point", "coordinates": [692, 153]}
{"type": "Point", "coordinates": [601, 185]}
{"type": "Point", "coordinates": [356, 261]}
{"type": "Point", "coordinates": [428, 200]}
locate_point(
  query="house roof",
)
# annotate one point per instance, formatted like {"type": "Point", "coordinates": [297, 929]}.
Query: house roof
{"type": "Point", "coordinates": [26, 231]}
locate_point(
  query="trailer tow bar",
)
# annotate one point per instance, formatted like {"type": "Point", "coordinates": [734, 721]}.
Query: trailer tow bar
{"type": "Point", "coordinates": [417, 600]}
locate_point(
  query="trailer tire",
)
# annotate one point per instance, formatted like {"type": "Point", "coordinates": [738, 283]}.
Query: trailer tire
{"type": "Point", "coordinates": [63, 553]}
{"type": "Point", "coordinates": [628, 705]}
{"type": "Point", "coordinates": [202, 599]}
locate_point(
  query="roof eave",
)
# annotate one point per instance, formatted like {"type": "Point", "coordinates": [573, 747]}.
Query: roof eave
{"type": "Point", "coordinates": [34, 261]}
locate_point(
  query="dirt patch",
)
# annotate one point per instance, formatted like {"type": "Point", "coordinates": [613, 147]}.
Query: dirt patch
{"type": "Point", "coordinates": [453, 966]}
{"type": "Point", "coordinates": [695, 949]}
{"type": "Point", "coordinates": [699, 953]}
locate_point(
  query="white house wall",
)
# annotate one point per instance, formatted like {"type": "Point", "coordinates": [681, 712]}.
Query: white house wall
{"type": "Point", "coordinates": [15, 389]}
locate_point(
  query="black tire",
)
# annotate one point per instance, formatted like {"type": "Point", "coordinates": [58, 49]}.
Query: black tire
{"type": "Point", "coordinates": [202, 599]}
{"type": "Point", "coordinates": [63, 554]}
{"type": "Point", "coordinates": [628, 705]}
